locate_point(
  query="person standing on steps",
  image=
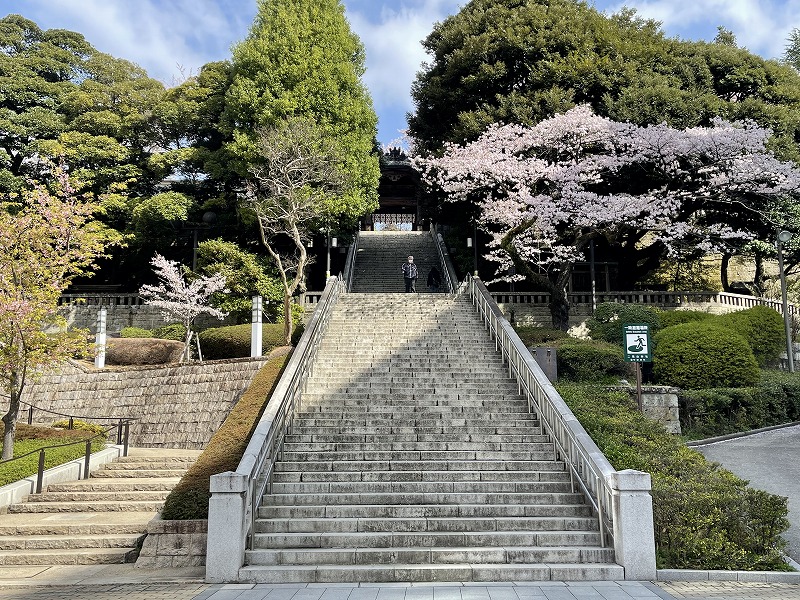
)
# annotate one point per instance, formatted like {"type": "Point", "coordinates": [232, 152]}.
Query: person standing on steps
{"type": "Point", "coordinates": [409, 270]}
{"type": "Point", "coordinates": [434, 280]}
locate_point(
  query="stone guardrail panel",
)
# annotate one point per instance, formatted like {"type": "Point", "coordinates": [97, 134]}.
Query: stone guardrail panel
{"type": "Point", "coordinates": [177, 406]}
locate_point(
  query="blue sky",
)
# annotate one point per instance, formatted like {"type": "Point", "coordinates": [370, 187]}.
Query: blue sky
{"type": "Point", "coordinates": [168, 37]}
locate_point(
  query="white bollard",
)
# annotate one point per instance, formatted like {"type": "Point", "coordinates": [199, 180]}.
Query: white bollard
{"type": "Point", "coordinates": [100, 340]}
{"type": "Point", "coordinates": [256, 333]}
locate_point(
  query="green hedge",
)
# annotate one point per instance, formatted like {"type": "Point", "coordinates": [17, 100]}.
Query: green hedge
{"type": "Point", "coordinates": [701, 355]}
{"type": "Point", "coordinates": [135, 332]}
{"type": "Point", "coordinates": [233, 341]}
{"type": "Point", "coordinates": [538, 336]}
{"type": "Point", "coordinates": [705, 517]}
{"type": "Point", "coordinates": [763, 329]}
{"type": "Point", "coordinates": [609, 317]}
{"type": "Point", "coordinates": [668, 318]}
{"type": "Point", "coordinates": [710, 412]}
{"type": "Point", "coordinates": [189, 499]}
{"type": "Point", "coordinates": [590, 361]}
{"type": "Point", "coordinates": [174, 331]}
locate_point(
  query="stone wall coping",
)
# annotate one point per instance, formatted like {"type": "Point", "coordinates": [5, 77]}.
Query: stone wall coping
{"type": "Point", "coordinates": [744, 576]}
{"type": "Point", "coordinates": [132, 368]}
{"type": "Point", "coordinates": [157, 525]}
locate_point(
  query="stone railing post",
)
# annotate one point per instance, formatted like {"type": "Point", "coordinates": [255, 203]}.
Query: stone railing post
{"type": "Point", "coordinates": [256, 331]}
{"type": "Point", "coordinates": [226, 527]}
{"type": "Point", "coordinates": [100, 339]}
{"type": "Point", "coordinates": [634, 538]}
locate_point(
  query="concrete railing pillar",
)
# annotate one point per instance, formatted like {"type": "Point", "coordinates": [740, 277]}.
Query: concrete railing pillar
{"type": "Point", "coordinates": [256, 333]}
{"type": "Point", "coordinates": [227, 530]}
{"type": "Point", "coordinates": [634, 538]}
{"type": "Point", "coordinates": [100, 339]}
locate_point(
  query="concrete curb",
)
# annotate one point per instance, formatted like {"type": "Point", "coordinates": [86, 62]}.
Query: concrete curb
{"type": "Point", "coordinates": [739, 576]}
{"type": "Point", "coordinates": [70, 471]}
{"type": "Point", "coordinates": [733, 436]}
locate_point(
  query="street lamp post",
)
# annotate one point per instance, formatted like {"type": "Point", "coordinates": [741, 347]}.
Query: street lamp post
{"type": "Point", "coordinates": [783, 237]}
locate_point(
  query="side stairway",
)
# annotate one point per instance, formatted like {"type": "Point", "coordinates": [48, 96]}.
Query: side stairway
{"type": "Point", "coordinates": [100, 520]}
{"type": "Point", "coordinates": [414, 458]}
{"type": "Point", "coordinates": [381, 254]}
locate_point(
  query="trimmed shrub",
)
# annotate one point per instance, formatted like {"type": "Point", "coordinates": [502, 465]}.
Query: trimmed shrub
{"type": "Point", "coordinates": [699, 355]}
{"type": "Point", "coordinates": [80, 425]}
{"type": "Point", "coordinates": [174, 331]}
{"type": "Point", "coordinates": [763, 329]}
{"type": "Point", "coordinates": [135, 332]}
{"type": "Point", "coordinates": [773, 401]}
{"type": "Point", "coordinates": [142, 351]}
{"type": "Point", "coordinates": [609, 317]}
{"type": "Point", "coordinates": [233, 341]}
{"type": "Point", "coordinates": [704, 516]}
{"type": "Point", "coordinates": [668, 318]}
{"type": "Point", "coordinates": [189, 499]}
{"type": "Point", "coordinates": [538, 336]}
{"type": "Point", "coordinates": [588, 360]}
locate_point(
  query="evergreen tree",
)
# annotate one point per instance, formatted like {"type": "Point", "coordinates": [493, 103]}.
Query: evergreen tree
{"type": "Point", "coordinates": [301, 60]}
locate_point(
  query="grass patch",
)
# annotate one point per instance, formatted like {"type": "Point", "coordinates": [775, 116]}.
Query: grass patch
{"type": "Point", "coordinates": [30, 438]}
{"type": "Point", "coordinates": [189, 499]}
{"type": "Point", "coordinates": [705, 517]}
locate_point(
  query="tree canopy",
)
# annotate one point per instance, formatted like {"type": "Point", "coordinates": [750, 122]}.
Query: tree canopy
{"type": "Point", "coordinates": [522, 61]}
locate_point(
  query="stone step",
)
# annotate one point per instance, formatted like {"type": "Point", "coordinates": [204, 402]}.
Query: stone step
{"type": "Point", "coordinates": [74, 542]}
{"type": "Point", "coordinates": [316, 401]}
{"type": "Point", "coordinates": [427, 555]}
{"type": "Point", "coordinates": [419, 465]}
{"type": "Point", "coordinates": [120, 485]}
{"type": "Point", "coordinates": [405, 424]}
{"type": "Point", "coordinates": [427, 511]}
{"type": "Point", "coordinates": [99, 506]}
{"type": "Point", "coordinates": [98, 496]}
{"type": "Point", "coordinates": [65, 556]}
{"type": "Point", "coordinates": [417, 573]}
{"type": "Point", "coordinates": [421, 487]}
{"type": "Point", "coordinates": [408, 456]}
{"type": "Point", "coordinates": [137, 473]}
{"type": "Point", "coordinates": [437, 428]}
{"type": "Point", "coordinates": [488, 500]}
{"type": "Point", "coordinates": [385, 446]}
{"type": "Point", "coordinates": [421, 476]}
{"type": "Point", "coordinates": [429, 525]}
{"type": "Point", "coordinates": [79, 524]}
{"type": "Point", "coordinates": [343, 438]}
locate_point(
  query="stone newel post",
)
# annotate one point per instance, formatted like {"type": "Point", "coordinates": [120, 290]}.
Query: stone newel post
{"type": "Point", "coordinates": [227, 529]}
{"type": "Point", "coordinates": [634, 539]}
{"type": "Point", "coordinates": [100, 339]}
{"type": "Point", "coordinates": [255, 336]}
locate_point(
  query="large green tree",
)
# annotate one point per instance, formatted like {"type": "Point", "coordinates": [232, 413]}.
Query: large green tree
{"type": "Point", "coordinates": [522, 61]}
{"type": "Point", "coordinates": [301, 60]}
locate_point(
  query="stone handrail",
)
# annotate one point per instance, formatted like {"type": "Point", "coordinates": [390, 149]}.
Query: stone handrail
{"type": "Point", "coordinates": [620, 498]}
{"type": "Point", "coordinates": [450, 278]}
{"type": "Point", "coordinates": [235, 495]}
{"type": "Point", "coordinates": [672, 299]}
{"type": "Point", "coordinates": [350, 263]}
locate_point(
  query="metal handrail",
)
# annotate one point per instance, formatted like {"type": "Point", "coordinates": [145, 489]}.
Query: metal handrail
{"type": "Point", "coordinates": [122, 424]}
{"type": "Point", "coordinates": [87, 455]}
{"type": "Point", "coordinates": [589, 468]}
{"type": "Point", "coordinates": [444, 258]}
{"type": "Point", "coordinates": [266, 443]}
{"type": "Point", "coordinates": [350, 263]}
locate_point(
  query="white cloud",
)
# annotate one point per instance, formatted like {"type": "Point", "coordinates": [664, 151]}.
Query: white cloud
{"type": "Point", "coordinates": [762, 26]}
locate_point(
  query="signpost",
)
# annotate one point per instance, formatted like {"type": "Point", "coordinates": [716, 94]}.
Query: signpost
{"type": "Point", "coordinates": [636, 338]}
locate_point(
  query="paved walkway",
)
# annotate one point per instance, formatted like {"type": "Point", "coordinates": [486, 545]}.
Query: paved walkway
{"type": "Point", "coordinates": [770, 461]}
{"type": "Point", "coordinates": [113, 582]}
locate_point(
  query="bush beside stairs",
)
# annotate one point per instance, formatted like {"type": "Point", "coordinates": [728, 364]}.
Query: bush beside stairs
{"type": "Point", "coordinates": [100, 520]}
{"type": "Point", "coordinates": [414, 458]}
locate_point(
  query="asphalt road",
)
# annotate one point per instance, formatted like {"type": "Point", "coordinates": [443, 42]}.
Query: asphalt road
{"type": "Point", "coordinates": [771, 462]}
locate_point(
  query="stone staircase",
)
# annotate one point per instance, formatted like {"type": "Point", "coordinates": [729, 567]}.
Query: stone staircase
{"type": "Point", "coordinates": [100, 520]}
{"type": "Point", "coordinates": [381, 253]}
{"type": "Point", "coordinates": [414, 458]}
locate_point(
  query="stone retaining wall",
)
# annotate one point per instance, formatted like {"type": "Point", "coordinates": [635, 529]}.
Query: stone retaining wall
{"type": "Point", "coordinates": [178, 406]}
{"type": "Point", "coordinates": [174, 544]}
{"type": "Point", "coordinates": [84, 316]}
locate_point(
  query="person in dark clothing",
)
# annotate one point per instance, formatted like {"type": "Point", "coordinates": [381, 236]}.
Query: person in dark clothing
{"type": "Point", "coordinates": [434, 279]}
{"type": "Point", "coordinates": [409, 270]}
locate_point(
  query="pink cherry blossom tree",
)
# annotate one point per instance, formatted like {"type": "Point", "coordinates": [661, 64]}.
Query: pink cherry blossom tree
{"type": "Point", "coordinates": [181, 300]}
{"type": "Point", "coordinates": [647, 192]}
{"type": "Point", "coordinates": [46, 240]}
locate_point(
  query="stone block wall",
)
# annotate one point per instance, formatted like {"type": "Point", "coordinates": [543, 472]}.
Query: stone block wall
{"type": "Point", "coordinates": [84, 316]}
{"type": "Point", "coordinates": [177, 406]}
{"type": "Point", "coordinates": [172, 544]}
